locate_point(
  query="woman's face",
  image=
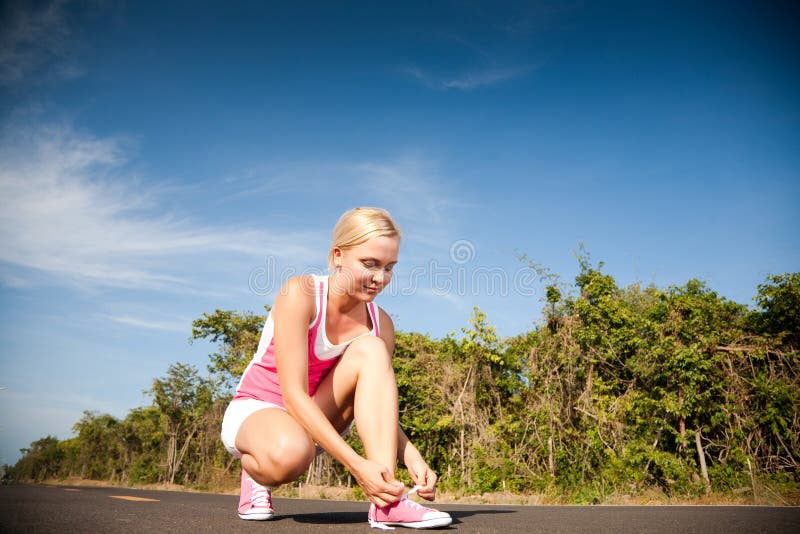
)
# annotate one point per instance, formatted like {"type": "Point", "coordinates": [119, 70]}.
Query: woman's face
{"type": "Point", "coordinates": [367, 268]}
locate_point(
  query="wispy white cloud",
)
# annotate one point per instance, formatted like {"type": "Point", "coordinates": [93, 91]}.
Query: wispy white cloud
{"type": "Point", "coordinates": [284, 178]}
{"type": "Point", "coordinates": [33, 36]}
{"type": "Point", "coordinates": [473, 80]}
{"type": "Point", "coordinates": [441, 295]}
{"type": "Point", "coordinates": [468, 80]}
{"type": "Point", "coordinates": [500, 54]}
{"type": "Point", "coordinates": [411, 187]}
{"type": "Point", "coordinates": [428, 204]}
{"type": "Point", "coordinates": [149, 324]}
{"type": "Point", "coordinates": [68, 209]}
{"type": "Point", "coordinates": [14, 281]}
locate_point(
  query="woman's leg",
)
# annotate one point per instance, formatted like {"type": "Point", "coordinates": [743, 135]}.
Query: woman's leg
{"type": "Point", "coordinates": [275, 448]}
{"type": "Point", "coordinates": [362, 385]}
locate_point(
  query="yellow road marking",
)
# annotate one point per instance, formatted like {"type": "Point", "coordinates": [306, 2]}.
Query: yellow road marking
{"type": "Point", "coordinates": [129, 498]}
{"type": "Point", "coordinates": [71, 489]}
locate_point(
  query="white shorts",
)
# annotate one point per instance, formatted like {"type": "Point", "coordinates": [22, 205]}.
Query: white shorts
{"type": "Point", "coordinates": [235, 414]}
{"type": "Point", "coordinates": [239, 410]}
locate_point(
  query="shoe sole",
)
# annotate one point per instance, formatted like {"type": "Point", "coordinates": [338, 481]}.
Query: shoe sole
{"type": "Point", "coordinates": [428, 523]}
{"type": "Point", "coordinates": [260, 516]}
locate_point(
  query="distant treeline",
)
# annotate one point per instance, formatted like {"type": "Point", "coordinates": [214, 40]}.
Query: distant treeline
{"type": "Point", "coordinates": [619, 391]}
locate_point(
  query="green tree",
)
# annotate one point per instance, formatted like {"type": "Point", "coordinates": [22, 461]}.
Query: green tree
{"type": "Point", "coordinates": [619, 389]}
{"type": "Point", "coordinates": [183, 397]}
{"type": "Point", "coordinates": [237, 334]}
{"type": "Point", "coordinates": [778, 300]}
{"type": "Point", "coordinates": [99, 446]}
{"type": "Point", "coordinates": [143, 437]}
{"type": "Point", "coordinates": [40, 461]}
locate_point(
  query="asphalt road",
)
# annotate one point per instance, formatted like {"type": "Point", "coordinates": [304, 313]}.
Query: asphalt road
{"type": "Point", "coordinates": [30, 508]}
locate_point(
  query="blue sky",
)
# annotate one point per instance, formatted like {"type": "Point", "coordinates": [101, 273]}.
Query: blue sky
{"type": "Point", "coordinates": [162, 160]}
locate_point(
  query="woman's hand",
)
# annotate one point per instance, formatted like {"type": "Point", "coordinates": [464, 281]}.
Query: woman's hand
{"type": "Point", "coordinates": [378, 484]}
{"type": "Point", "coordinates": [423, 476]}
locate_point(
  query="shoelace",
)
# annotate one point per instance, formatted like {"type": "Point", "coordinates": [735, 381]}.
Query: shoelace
{"type": "Point", "coordinates": [412, 491]}
{"type": "Point", "coordinates": [413, 504]}
{"type": "Point", "coordinates": [260, 495]}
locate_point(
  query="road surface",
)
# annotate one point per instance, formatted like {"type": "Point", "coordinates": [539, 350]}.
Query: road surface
{"type": "Point", "coordinates": [33, 508]}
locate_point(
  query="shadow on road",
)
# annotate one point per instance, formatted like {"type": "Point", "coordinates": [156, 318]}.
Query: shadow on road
{"type": "Point", "coordinates": [457, 515]}
{"type": "Point", "coordinates": [340, 518]}
{"type": "Point", "coordinates": [326, 518]}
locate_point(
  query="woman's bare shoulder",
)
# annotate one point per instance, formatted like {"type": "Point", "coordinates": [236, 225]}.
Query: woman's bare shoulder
{"type": "Point", "coordinates": [386, 320]}
{"type": "Point", "coordinates": [387, 328]}
{"type": "Point", "coordinates": [296, 294]}
{"type": "Point", "coordinates": [303, 283]}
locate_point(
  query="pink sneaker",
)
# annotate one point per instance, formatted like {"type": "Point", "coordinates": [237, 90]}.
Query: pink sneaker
{"type": "Point", "coordinates": [255, 502]}
{"type": "Point", "coordinates": [407, 513]}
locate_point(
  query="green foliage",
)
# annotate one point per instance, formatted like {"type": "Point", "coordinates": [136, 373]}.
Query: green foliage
{"type": "Point", "coordinates": [183, 399]}
{"type": "Point", "coordinates": [98, 446]}
{"type": "Point", "coordinates": [143, 435]}
{"type": "Point", "coordinates": [238, 334]}
{"type": "Point", "coordinates": [181, 394]}
{"type": "Point", "coordinates": [41, 460]}
{"type": "Point", "coordinates": [779, 302]}
{"type": "Point", "coordinates": [605, 397]}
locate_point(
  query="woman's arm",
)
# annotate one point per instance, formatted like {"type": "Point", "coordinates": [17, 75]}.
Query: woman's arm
{"type": "Point", "coordinates": [293, 311]}
{"type": "Point", "coordinates": [406, 451]}
{"type": "Point", "coordinates": [421, 474]}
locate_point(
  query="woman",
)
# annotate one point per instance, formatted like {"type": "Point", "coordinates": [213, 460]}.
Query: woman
{"type": "Point", "coordinates": [324, 362]}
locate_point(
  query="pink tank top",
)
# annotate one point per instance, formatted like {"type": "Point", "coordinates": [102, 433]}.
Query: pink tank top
{"type": "Point", "coordinates": [260, 379]}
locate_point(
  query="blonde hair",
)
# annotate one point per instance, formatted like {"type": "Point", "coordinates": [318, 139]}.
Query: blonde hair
{"type": "Point", "coordinates": [358, 225]}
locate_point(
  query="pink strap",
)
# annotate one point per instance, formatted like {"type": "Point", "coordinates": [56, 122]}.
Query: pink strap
{"type": "Point", "coordinates": [374, 315]}
{"type": "Point", "coordinates": [312, 341]}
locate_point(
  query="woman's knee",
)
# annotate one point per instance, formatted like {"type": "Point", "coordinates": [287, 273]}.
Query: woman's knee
{"type": "Point", "coordinates": [284, 459]}
{"type": "Point", "coordinates": [371, 347]}
{"type": "Point", "coordinates": [279, 449]}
